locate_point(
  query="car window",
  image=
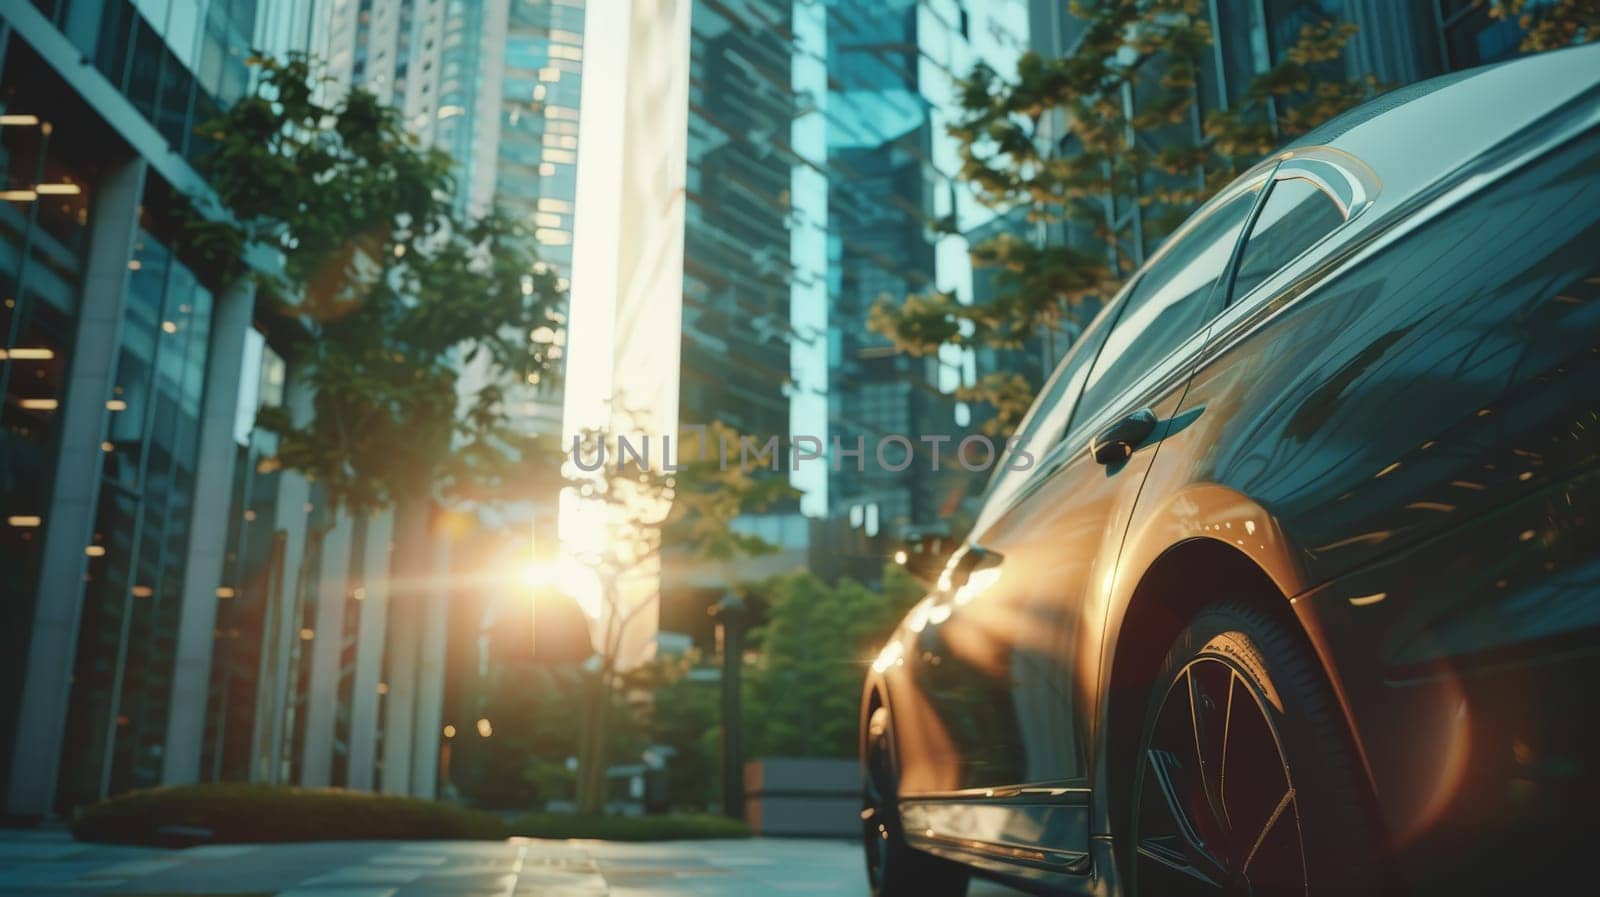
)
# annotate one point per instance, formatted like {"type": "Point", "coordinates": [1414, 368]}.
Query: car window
{"type": "Point", "coordinates": [1169, 303]}
{"type": "Point", "coordinates": [1296, 214]}
{"type": "Point", "coordinates": [1047, 419]}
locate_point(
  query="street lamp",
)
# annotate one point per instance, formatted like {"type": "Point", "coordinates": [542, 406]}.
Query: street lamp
{"type": "Point", "coordinates": [730, 616]}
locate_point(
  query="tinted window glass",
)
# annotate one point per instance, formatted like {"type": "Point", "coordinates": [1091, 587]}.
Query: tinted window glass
{"type": "Point", "coordinates": [1296, 214]}
{"type": "Point", "coordinates": [1048, 416]}
{"type": "Point", "coordinates": [1168, 304]}
{"type": "Point", "coordinates": [1046, 421]}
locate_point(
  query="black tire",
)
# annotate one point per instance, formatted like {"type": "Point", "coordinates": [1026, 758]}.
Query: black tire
{"type": "Point", "coordinates": [895, 868]}
{"type": "Point", "coordinates": [1246, 782]}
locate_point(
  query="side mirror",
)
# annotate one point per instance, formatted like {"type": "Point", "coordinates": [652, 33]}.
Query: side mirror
{"type": "Point", "coordinates": [924, 557]}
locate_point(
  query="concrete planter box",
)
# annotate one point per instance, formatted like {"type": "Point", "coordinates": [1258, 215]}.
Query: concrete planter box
{"type": "Point", "coordinates": [803, 797]}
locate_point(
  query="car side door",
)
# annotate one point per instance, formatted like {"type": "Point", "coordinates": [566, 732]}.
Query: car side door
{"type": "Point", "coordinates": [1007, 634]}
{"type": "Point", "coordinates": [957, 722]}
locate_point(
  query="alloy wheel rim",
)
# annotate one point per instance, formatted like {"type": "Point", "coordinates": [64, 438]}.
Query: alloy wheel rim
{"type": "Point", "coordinates": [1215, 806]}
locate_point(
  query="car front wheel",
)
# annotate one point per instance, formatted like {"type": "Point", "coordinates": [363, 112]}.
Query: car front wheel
{"type": "Point", "coordinates": [894, 868]}
{"type": "Point", "coordinates": [1246, 782]}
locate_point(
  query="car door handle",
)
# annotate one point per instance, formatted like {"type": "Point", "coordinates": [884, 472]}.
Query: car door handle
{"type": "Point", "coordinates": [1116, 443]}
{"type": "Point", "coordinates": [975, 558]}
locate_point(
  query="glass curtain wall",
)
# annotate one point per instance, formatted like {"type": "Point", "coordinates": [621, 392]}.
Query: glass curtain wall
{"type": "Point", "coordinates": [304, 611]}
{"type": "Point", "coordinates": [349, 629]}
{"type": "Point", "coordinates": [536, 167]}
{"type": "Point", "coordinates": [178, 61]}
{"type": "Point", "coordinates": [1472, 37]}
{"type": "Point", "coordinates": [736, 243]}
{"type": "Point", "coordinates": [899, 224]}
{"type": "Point", "coordinates": [43, 239]}
{"type": "Point", "coordinates": [122, 677]}
{"type": "Point", "coordinates": [537, 175]}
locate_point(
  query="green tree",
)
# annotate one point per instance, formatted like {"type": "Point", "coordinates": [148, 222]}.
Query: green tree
{"type": "Point", "coordinates": [395, 288]}
{"type": "Point", "coordinates": [803, 693]}
{"type": "Point", "coordinates": [529, 707]}
{"type": "Point", "coordinates": [1081, 142]}
{"type": "Point", "coordinates": [685, 715]}
{"type": "Point", "coordinates": [641, 507]}
{"type": "Point", "coordinates": [800, 694]}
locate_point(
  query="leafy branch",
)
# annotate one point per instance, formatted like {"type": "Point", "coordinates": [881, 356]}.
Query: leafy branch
{"type": "Point", "coordinates": [396, 288]}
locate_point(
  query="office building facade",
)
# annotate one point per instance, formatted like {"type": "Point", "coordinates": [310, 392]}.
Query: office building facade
{"type": "Point", "coordinates": [121, 378]}
{"type": "Point", "coordinates": [177, 609]}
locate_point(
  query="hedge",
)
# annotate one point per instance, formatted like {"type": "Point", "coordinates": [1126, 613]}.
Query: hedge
{"type": "Point", "coordinates": [240, 813]}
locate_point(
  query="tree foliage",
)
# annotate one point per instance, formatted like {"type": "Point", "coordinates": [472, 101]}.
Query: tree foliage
{"type": "Point", "coordinates": [518, 767]}
{"type": "Point", "coordinates": [804, 689]}
{"type": "Point", "coordinates": [1551, 26]}
{"type": "Point", "coordinates": [800, 692]}
{"type": "Point", "coordinates": [397, 288]}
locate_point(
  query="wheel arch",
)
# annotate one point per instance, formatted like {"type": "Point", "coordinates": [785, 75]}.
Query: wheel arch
{"type": "Point", "coordinates": [1169, 593]}
{"type": "Point", "coordinates": [1172, 590]}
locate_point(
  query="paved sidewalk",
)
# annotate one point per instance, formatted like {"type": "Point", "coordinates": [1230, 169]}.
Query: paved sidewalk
{"type": "Point", "coordinates": [47, 863]}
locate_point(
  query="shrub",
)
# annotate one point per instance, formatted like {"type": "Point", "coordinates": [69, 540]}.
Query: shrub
{"type": "Point", "coordinates": [240, 813]}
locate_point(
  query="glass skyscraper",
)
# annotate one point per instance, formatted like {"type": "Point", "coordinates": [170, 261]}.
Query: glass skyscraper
{"type": "Point", "coordinates": [737, 268]}
{"type": "Point", "coordinates": [496, 85]}
{"type": "Point", "coordinates": [893, 70]}
{"type": "Point", "coordinates": [536, 158]}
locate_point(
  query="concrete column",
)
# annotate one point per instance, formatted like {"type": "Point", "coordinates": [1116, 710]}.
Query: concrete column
{"type": "Point", "coordinates": [208, 535]}
{"type": "Point", "coordinates": [370, 633]}
{"type": "Point", "coordinates": [52, 648]}
{"type": "Point", "coordinates": [322, 699]}
{"type": "Point", "coordinates": [280, 625]}
{"type": "Point", "coordinates": [411, 523]}
{"type": "Point", "coordinates": [400, 701]}
{"type": "Point", "coordinates": [434, 610]}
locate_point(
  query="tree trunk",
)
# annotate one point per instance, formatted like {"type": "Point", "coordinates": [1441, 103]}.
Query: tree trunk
{"type": "Point", "coordinates": [592, 745]}
{"type": "Point", "coordinates": [597, 715]}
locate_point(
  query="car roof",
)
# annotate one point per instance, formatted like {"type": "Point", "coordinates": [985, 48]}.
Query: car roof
{"type": "Point", "coordinates": [1416, 135]}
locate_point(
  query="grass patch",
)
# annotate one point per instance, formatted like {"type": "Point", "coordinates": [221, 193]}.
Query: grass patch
{"type": "Point", "coordinates": [239, 813]}
{"type": "Point", "coordinates": [688, 827]}
{"type": "Point", "coordinates": [256, 814]}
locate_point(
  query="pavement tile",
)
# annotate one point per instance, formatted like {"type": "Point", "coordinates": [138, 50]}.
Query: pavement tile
{"type": "Point", "coordinates": [364, 875]}
{"type": "Point", "coordinates": [515, 868]}
{"type": "Point", "coordinates": [136, 868]}
{"type": "Point", "coordinates": [23, 875]}
{"type": "Point", "coordinates": [338, 892]}
{"type": "Point", "coordinates": [38, 849]}
{"type": "Point", "coordinates": [409, 859]}
{"type": "Point", "coordinates": [222, 851]}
